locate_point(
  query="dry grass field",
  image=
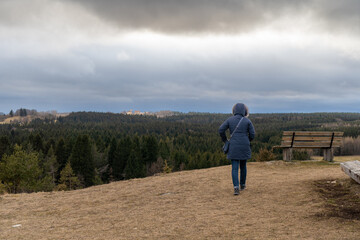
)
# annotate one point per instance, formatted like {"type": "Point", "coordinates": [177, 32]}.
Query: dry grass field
{"type": "Point", "coordinates": [29, 118]}
{"type": "Point", "coordinates": [17, 119]}
{"type": "Point", "coordinates": [9, 120]}
{"type": "Point", "coordinates": [282, 201]}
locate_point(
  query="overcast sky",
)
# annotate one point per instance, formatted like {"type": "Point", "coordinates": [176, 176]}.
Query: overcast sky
{"type": "Point", "coordinates": [181, 55]}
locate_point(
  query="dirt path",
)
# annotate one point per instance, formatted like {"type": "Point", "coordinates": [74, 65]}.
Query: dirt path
{"type": "Point", "coordinates": [279, 203]}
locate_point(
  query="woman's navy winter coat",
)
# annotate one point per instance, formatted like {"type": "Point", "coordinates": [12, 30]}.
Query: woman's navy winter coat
{"type": "Point", "coordinates": [240, 141]}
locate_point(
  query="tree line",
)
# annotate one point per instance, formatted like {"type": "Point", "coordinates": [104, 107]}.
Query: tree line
{"type": "Point", "coordinates": [89, 148]}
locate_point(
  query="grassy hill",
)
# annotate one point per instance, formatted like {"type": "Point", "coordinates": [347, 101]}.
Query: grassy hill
{"type": "Point", "coordinates": [282, 201]}
{"type": "Point", "coordinates": [6, 119]}
{"type": "Point", "coordinates": [17, 119]}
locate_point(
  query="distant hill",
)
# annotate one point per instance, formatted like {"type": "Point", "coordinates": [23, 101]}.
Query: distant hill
{"type": "Point", "coordinates": [26, 115]}
{"type": "Point", "coordinates": [98, 117]}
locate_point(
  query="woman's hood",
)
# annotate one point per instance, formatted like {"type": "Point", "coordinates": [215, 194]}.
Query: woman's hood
{"type": "Point", "coordinates": [240, 109]}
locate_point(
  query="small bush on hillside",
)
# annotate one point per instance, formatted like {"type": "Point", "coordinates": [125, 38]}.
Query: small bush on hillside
{"type": "Point", "coordinates": [20, 172]}
{"type": "Point", "coordinates": [167, 168]}
{"type": "Point", "coordinates": [155, 167]}
{"type": "Point", "coordinates": [265, 155]}
{"type": "Point", "coordinates": [97, 180]}
{"type": "Point", "coordinates": [2, 188]}
{"type": "Point", "coordinates": [68, 180]}
{"type": "Point", "coordinates": [301, 155]}
{"type": "Point", "coordinates": [46, 184]}
{"type": "Point", "coordinates": [278, 152]}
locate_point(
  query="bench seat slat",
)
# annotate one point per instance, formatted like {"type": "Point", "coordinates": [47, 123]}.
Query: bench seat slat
{"type": "Point", "coordinates": [308, 146]}
{"type": "Point", "coordinates": [321, 141]}
{"type": "Point", "coordinates": [299, 144]}
{"type": "Point", "coordinates": [326, 141]}
{"type": "Point", "coordinates": [323, 144]}
{"type": "Point", "coordinates": [303, 138]}
{"type": "Point", "coordinates": [305, 147]}
{"type": "Point", "coordinates": [303, 133]}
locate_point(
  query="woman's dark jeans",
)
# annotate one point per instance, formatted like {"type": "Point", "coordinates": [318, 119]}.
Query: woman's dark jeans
{"type": "Point", "coordinates": [235, 172]}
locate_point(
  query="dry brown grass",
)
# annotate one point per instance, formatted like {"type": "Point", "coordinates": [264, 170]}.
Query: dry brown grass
{"type": "Point", "coordinates": [339, 159]}
{"type": "Point", "coordinates": [17, 119]}
{"type": "Point", "coordinates": [279, 203]}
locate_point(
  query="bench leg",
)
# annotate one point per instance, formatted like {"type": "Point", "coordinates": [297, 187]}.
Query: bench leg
{"type": "Point", "coordinates": [328, 154]}
{"type": "Point", "coordinates": [287, 154]}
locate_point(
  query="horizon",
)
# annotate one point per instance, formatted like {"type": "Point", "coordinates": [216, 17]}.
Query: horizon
{"type": "Point", "coordinates": [274, 56]}
{"type": "Point", "coordinates": [164, 110]}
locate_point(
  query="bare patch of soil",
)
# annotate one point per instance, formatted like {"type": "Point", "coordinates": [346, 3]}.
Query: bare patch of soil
{"type": "Point", "coordinates": [341, 198]}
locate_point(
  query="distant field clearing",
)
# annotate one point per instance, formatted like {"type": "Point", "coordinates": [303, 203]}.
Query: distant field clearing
{"type": "Point", "coordinates": [31, 117]}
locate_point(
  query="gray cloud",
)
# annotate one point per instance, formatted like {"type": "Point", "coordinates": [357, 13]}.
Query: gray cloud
{"type": "Point", "coordinates": [339, 15]}
{"type": "Point", "coordinates": [49, 61]}
{"type": "Point", "coordinates": [222, 16]}
{"type": "Point", "coordinates": [182, 16]}
{"type": "Point", "coordinates": [92, 78]}
{"type": "Point", "coordinates": [189, 15]}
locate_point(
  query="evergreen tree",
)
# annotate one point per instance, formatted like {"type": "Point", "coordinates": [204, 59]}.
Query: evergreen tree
{"type": "Point", "coordinates": [82, 160]}
{"type": "Point", "coordinates": [68, 180]}
{"type": "Point", "coordinates": [38, 144]}
{"type": "Point", "coordinates": [112, 150]}
{"type": "Point", "coordinates": [100, 145]}
{"type": "Point", "coordinates": [150, 149]}
{"type": "Point", "coordinates": [179, 160]}
{"type": "Point", "coordinates": [12, 133]}
{"type": "Point", "coordinates": [166, 168]}
{"type": "Point", "coordinates": [100, 158]}
{"type": "Point", "coordinates": [11, 113]}
{"type": "Point", "coordinates": [135, 167]}
{"type": "Point", "coordinates": [51, 165]}
{"type": "Point", "coordinates": [4, 146]}
{"type": "Point", "coordinates": [69, 145]}
{"type": "Point", "coordinates": [102, 168]}
{"type": "Point", "coordinates": [23, 112]}
{"type": "Point", "coordinates": [61, 156]}
{"type": "Point", "coordinates": [48, 145]}
{"type": "Point", "coordinates": [31, 139]}
{"type": "Point", "coordinates": [205, 160]}
{"type": "Point", "coordinates": [164, 150]}
{"type": "Point", "coordinates": [20, 172]}
{"type": "Point", "coordinates": [122, 154]}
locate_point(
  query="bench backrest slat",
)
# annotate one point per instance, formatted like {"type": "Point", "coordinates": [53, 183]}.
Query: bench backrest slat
{"type": "Point", "coordinates": [302, 139]}
{"type": "Point", "coordinates": [306, 133]}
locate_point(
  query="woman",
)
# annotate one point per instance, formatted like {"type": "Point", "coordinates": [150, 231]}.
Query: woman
{"type": "Point", "coordinates": [239, 150]}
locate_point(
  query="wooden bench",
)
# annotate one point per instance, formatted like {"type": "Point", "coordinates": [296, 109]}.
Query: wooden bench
{"type": "Point", "coordinates": [352, 169]}
{"type": "Point", "coordinates": [310, 140]}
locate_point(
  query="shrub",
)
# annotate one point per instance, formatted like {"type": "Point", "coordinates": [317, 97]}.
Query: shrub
{"type": "Point", "coordinates": [265, 155]}
{"type": "Point", "coordinates": [68, 180]}
{"type": "Point", "coordinates": [155, 167]}
{"type": "Point", "coordinates": [301, 155]}
{"type": "Point", "coordinates": [20, 172]}
{"type": "Point", "coordinates": [2, 188]}
{"type": "Point", "coordinates": [167, 168]}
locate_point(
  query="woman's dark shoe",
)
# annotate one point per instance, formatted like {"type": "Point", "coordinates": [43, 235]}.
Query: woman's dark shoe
{"type": "Point", "coordinates": [242, 188]}
{"type": "Point", "coordinates": [236, 191]}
